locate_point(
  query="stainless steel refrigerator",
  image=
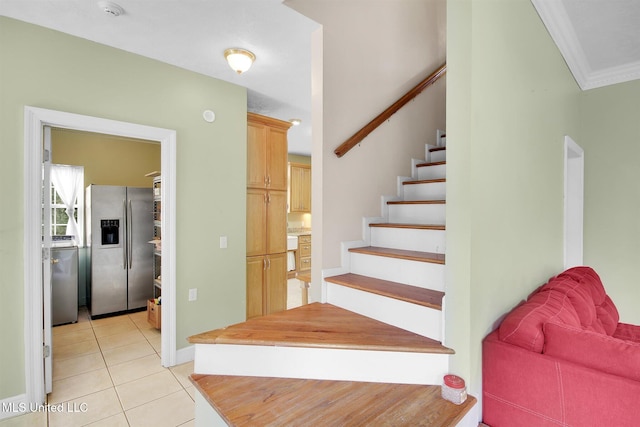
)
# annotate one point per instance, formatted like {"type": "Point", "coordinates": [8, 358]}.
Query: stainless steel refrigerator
{"type": "Point", "coordinates": [119, 226]}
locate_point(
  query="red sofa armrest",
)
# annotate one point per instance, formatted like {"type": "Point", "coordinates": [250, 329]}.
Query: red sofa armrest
{"type": "Point", "coordinates": [523, 388]}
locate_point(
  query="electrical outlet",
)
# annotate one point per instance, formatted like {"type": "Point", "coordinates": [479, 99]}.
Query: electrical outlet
{"type": "Point", "coordinates": [223, 242]}
{"type": "Point", "coordinates": [193, 294]}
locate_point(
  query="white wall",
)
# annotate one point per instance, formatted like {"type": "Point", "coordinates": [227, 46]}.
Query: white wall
{"type": "Point", "coordinates": [373, 53]}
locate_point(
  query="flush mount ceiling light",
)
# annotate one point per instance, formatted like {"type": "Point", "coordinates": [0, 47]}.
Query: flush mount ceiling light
{"type": "Point", "coordinates": [295, 122]}
{"type": "Point", "coordinates": [239, 60]}
{"type": "Point", "coordinates": [111, 8]}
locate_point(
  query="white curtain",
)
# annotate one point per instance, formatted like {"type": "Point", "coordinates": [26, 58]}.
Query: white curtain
{"type": "Point", "coordinates": [68, 182]}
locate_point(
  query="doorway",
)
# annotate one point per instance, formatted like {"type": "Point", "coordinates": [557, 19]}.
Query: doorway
{"type": "Point", "coordinates": [573, 203]}
{"type": "Point", "coordinates": [35, 121]}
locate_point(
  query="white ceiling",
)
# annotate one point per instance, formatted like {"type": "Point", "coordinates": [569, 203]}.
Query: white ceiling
{"type": "Point", "coordinates": [599, 39]}
{"type": "Point", "coordinates": [193, 34]}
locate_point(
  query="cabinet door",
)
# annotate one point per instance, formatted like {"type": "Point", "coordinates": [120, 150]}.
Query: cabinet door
{"type": "Point", "coordinates": [276, 283]}
{"type": "Point", "coordinates": [276, 222]}
{"type": "Point", "coordinates": [256, 155]}
{"type": "Point", "coordinates": [300, 188]}
{"type": "Point", "coordinates": [277, 159]}
{"type": "Point", "coordinates": [255, 290]}
{"type": "Point", "coordinates": [257, 222]}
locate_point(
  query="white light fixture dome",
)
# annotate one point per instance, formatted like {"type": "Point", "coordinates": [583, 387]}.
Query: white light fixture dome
{"type": "Point", "coordinates": [239, 60]}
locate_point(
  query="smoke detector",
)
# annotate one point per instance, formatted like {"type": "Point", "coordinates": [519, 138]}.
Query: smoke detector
{"type": "Point", "coordinates": [111, 8]}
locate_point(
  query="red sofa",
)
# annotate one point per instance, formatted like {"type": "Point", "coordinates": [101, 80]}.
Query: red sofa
{"type": "Point", "coordinates": [562, 358]}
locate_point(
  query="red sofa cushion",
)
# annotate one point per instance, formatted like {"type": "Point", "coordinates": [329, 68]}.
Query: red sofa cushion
{"type": "Point", "coordinates": [628, 332]}
{"type": "Point", "coordinates": [575, 297]}
{"type": "Point", "coordinates": [593, 350]}
{"type": "Point", "coordinates": [523, 326]}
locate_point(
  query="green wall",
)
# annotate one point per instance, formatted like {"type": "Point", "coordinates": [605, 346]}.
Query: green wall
{"type": "Point", "coordinates": [510, 101]}
{"type": "Point", "coordinates": [610, 137]}
{"type": "Point", "coordinates": [48, 69]}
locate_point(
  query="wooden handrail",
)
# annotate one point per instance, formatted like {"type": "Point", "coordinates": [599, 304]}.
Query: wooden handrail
{"type": "Point", "coordinates": [382, 117]}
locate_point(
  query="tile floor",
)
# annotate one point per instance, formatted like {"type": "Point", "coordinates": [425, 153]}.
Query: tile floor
{"type": "Point", "coordinates": [112, 368]}
{"type": "Point", "coordinates": [109, 371]}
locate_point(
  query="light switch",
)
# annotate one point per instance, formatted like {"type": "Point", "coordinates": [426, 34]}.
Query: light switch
{"type": "Point", "coordinates": [193, 294]}
{"type": "Point", "coordinates": [223, 242]}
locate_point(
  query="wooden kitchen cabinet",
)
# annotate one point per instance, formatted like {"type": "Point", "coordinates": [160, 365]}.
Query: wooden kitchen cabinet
{"type": "Point", "coordinates": [266, 284]}
{"type": "Point", "coordinates": [266, 222]}
{"type": "Point", "coordinates": [266, 152]}
{"type": "Point", "coordinates": [300, 187]}
{"type": "Point", "coordinates": [303, 260]}
{"type": "Point", "coordinates": [267, 181]}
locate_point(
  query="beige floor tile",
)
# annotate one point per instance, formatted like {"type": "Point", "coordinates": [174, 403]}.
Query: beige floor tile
{"type": "Point", "coordinates": [80, 385]}
{"type": "Point", "coordinates": [63, 329]}
{"type": "Point", "coordinates": [118, 340]}
{"type": "Point", "coordinates": [135, 369]}
{"type": "Point", "coordinates": [64, 368]}
{"type": "Point", "coordinates": [146, 389]}
{"type": "Point", "coordinates": [118, 420]}
{"type": "Point", "coordinates": [171, 410]}
{"type": "Point", "coordinates": [126, 353]}
{"type": "Point", "coordinates": [138, 316]}
{"type": "Point", "coordinates": [191, 423]}
{"type": "Point", "coordinates": [192, 392]}
{"type": "Point", "coordinates": [110, 320]}
{"type": "Point", "coordinates": [32, 419]}
{"type": "Point", "coordinates": [73, 337]}
{"type": "Point", "coordinates": [151, 332]}
{"type": "Point", "coordinates": [74, 350]}
{"type": "Point", "coordinates": [125, 325]}
{"type": "Point", "coordinates": [94, 407]}
{"type": "Point", "coordinates": [156, 343]}
{"type": "Point", "coordinates": [182, 372]}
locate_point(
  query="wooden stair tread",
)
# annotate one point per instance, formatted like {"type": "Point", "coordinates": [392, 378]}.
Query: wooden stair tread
{"type": "Point", "coordinates": [431, 257]}
{"type": "Point", "coordinates": [416, 202]}
{"type": "Point", "coordinates": [411, 226]}
{"type": "Point", "coordinates": [427, 164]}
{"type": "Point", "coordinates": [437, 149]}
{"type": "Point", "coordinates": [399, 291]}
{"type": "Point", "coordinates": [320, 325]}
{"type": "Point", "coordinates": [259, 401]}
{"type": "Point", "coordinates": [424, 181]}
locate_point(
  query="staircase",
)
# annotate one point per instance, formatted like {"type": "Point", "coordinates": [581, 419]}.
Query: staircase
{"type": "Point", "coordinates": [382, 325]}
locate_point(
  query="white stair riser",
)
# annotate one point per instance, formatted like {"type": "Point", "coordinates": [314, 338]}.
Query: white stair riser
{"type": "Point", "coordinates": [425, 191]}
{"type": "Point", "coordinates": [432, 172]}
{"type": "Point", "coordinates": [415, 273]}
{"type": "Point", "coordinates": [320, 363]}
{"type": "Point", "coordinates": [415, 318]}
{"type": "Point", "coordinates": [418, 214]}
{"type": "Point", "coordinates": [438, 156]}
{"type": "Point", "coordinates": [409, 239]}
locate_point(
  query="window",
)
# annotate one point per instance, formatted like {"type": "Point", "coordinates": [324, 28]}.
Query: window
{"type": "Point", "coordinates": [67, 200]}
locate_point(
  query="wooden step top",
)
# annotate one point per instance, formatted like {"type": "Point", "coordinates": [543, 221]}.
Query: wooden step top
{"type": "Point", "coordinates": [320, 325]}
{"type": "Point", "coordinates": [413, 294]}
{"type": "Point", "coordinates": [431, 257]}
{"type": "Point", "coordinates": [427, 164]}
{"type": "Point", "coordinates": [437, 149]}
{"type": "Point", "coordinates": [416, 202]}
{"type": "Point", "coordinates": [424, 181]}
{"type": "Point", "coordinates": [411, 226]}
{"type": "Point", "coordinates": [259, 401]}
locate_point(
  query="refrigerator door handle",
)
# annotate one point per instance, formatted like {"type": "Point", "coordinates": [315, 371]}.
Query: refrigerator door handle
{"type": "Point", "coordinates": [130, 237]}
{"type": "Point", "coordinates": [124, 246]}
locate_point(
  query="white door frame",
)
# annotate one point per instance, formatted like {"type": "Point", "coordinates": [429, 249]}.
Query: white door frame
{"type": "Point", "coordinates": [34, 121]}
{"type": "Point", "coordinates": [573, 203]}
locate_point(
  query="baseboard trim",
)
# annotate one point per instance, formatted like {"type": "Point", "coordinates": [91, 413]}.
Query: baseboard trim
{"type": "Point", "coordinates": [14, 406]}
{"type": "Point", "coordinates": [185, 355]}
